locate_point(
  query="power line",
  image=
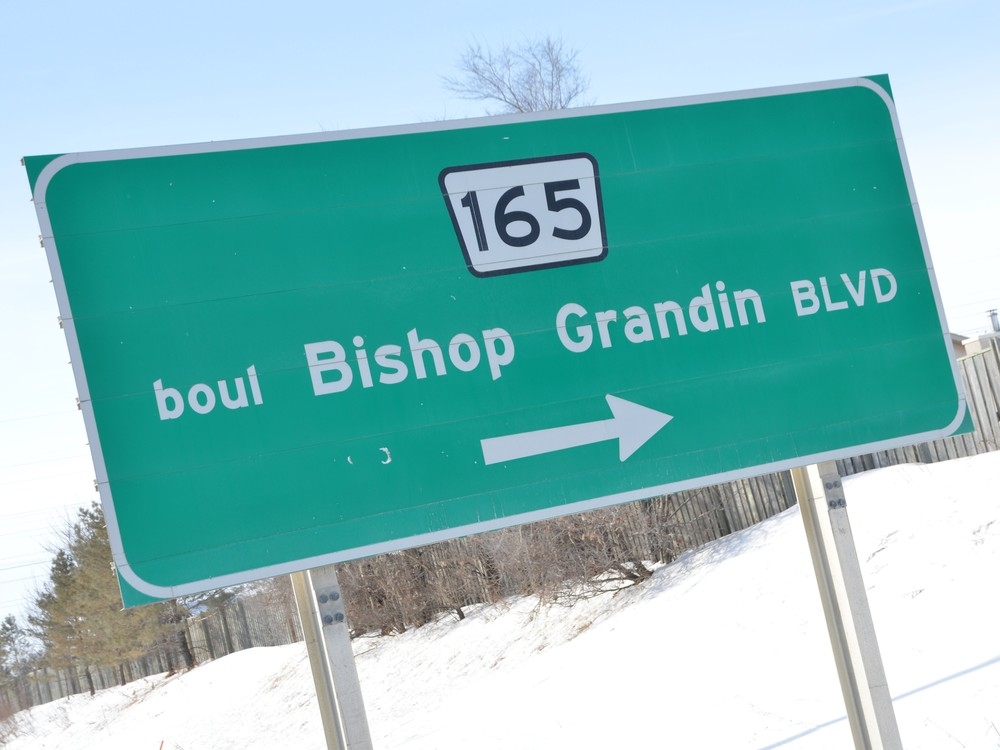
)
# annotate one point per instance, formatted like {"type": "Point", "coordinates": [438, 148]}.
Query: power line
{"type": "Point", "coordinates": [46, 510]}
{"type": "Point", "coordinates": [23, 565]}
{"type": "Point", "coordinates": [44, 415]}
{"type": "Point", "coordinates": [75, 457]}
{"type": "Point", "coordinates": [27, 480]}
{"type": "Point", "coordinates": [32, 560]}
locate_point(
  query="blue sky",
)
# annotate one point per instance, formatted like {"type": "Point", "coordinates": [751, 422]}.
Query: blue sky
{"type": "Point", "coordinates": [106, 75]}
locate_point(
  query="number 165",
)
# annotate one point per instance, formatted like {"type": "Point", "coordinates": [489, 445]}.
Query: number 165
{"type": "Point", "coordinates": [525, 215]}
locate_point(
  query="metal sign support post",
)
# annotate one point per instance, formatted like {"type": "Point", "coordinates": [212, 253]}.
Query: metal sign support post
{"type": "Point", "coordinates": [338, 689]}
{"type": "Point", "coordinates": [852, 634]}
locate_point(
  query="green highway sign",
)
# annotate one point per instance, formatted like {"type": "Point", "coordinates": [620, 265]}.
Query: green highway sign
{"type": "Point", "coordinates": [301, 350]}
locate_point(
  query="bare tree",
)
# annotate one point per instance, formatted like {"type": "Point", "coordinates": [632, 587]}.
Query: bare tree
{"type": "Point", "coordinates": [530, 77]}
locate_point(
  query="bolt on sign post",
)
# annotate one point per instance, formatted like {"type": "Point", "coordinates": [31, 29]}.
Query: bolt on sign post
{"type": "Point", "coordinates": [301, 350]}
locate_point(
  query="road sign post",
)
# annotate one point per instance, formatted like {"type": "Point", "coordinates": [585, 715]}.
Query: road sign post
{"type": "Point", "coordinates": [296, 351]}
{"type": "Point", "coordinates": [319, 661]}
{"type": "Point", "coordinates": [845, 604]}
{"type": "Point", "coordinates": [331, 656]}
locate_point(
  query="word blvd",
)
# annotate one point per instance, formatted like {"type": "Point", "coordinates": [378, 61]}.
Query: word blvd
{"type": "Point", "coordinates": [882, 285]}
{"type": "Point", "coordinates": [202, 399]}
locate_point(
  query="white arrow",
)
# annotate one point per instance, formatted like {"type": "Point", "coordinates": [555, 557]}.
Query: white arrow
{"type": "Point", "coordinates": [632, 425]}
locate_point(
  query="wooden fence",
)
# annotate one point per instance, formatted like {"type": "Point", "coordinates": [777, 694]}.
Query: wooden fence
{"type": "Point", "coordinates": [703, 515]}
{"type": "Point", "coordinates": [244, 623]}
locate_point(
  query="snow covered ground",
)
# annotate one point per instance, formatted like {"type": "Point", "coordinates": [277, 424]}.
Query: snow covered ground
{"type": "Point", "coordinates": [725, 648]}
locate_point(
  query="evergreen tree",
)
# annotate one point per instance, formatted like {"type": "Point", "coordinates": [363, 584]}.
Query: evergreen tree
{"type": "Point", "coordinates": [78, 616]}
{"type": "Point", "coordinates": [16, 662]}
